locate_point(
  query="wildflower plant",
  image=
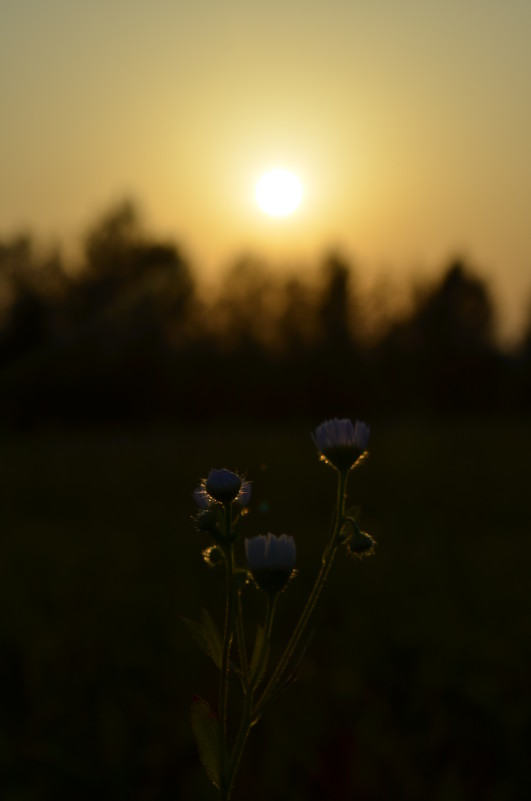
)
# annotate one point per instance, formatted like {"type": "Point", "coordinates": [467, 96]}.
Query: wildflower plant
{"type": "Point", "coordinates": [222, 499]}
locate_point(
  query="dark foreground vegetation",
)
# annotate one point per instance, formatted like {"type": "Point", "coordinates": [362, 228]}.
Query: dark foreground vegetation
{"type": "Point", "coordinates": [416, 685]}
{"type": "Point", "coordinates": [125, 335]}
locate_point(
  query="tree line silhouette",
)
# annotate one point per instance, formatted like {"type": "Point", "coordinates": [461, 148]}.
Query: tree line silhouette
{"type": "Point", "coordinates": [128, 336]}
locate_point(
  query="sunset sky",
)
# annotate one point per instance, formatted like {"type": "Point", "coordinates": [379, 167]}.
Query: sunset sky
{"type": "Point", "coordinates": [408, 123]}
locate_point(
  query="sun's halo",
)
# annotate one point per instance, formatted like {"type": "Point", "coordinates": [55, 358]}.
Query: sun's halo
{"type": "Point", "coordinates": [278, 192]}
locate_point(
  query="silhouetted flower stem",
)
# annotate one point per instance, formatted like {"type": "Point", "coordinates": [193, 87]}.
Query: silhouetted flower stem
{"type": "Point", "coordinates": [222, 498]}
{"type": "Point", "coordinates": [229, 620]}
{"type": "Point", "coordinates": [240, 636]}
{"type": "Point", "coordinates": [248, 718]}
{"type": "Point", "coordinates": [251, 713]}
{"type": "Point", "coordinates": [326, 564]}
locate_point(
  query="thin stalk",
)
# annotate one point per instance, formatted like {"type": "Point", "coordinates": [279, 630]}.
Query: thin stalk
{"type": "Point", "coordinates": [229, 622]}
{"type": "Point", "coordinates": [297, 633]}
{"type": "Point", "coordinates": [326, 564]}
{"type": "Point", "coordinates": [268, 625]}
{"type": "Point", "coordinates": [248, 719]}
{"type": "Point", "coordinates": [342, 477]}
{"type": "Point", "coordinates": [240, 637]}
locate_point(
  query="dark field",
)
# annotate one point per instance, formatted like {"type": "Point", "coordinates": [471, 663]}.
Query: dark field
{"type": "Point", "coordinates": [416, 685]}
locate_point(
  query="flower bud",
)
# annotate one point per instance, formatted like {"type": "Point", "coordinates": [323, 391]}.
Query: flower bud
{"type": "Point", "coordinates": [341, 443]}
{"type": "Point", "coordinates": [213, 556]}
{"type": "Point", "coordinates": [271, 561]}
{"type": "Point", "coordinates": [207, 520]}
{"type": "Point", "coordinates": [360, 543]}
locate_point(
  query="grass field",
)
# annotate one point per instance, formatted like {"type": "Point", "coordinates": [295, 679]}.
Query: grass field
{"type": "Point", "coordinates": [416, 685]}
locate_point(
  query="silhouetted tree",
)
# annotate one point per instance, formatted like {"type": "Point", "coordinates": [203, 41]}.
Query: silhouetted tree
{"type": "Point", "coordinates": [112, 342]}
{"type": "Point", "coordinates": [244, 313]}
{"type": "Point", "coordinates": [459, 314]}
{"type": "Point", "coordinates": [521, 365]}
{"type": "Point", "coordinates": [125, 335]}
{"type": "Point", "coordinates": [335, 307]}
{"type": "Point", "coordinates": [298, 326]}
{"type": "Point", "coordinates": [130, 315]}
{"type": "Point", "coordinates": [443, 354]}
{"type": "Point", "coordinates": [125, 274]}
{"type": "Point", "coordinates": [337, 380]}
{"type": "Point", "coordinates": [32, 287]}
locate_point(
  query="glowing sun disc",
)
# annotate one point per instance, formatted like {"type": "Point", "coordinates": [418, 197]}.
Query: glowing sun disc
{"type": "Point", "coordinates": [278, 192]}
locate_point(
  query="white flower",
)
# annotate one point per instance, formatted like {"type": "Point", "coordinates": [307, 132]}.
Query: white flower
{"type": "Point", "coordinates": [271, 560]}
{"type": "Point", "coordinates": [270, 552]}
{"type": "Point", "coordinates": [340, 442]}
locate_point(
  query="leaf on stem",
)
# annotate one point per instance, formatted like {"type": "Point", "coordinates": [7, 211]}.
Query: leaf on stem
{"type": "Point", "coordinates": [207, 636]}
{"type": "Point", "coordinates": [257, 670]}
{"type": "Point", "coordinates": [349, 523]}
{"type": "Point", "coordinates": [353, 513]}
{"type": "Point", "coordinates": [210, 741]}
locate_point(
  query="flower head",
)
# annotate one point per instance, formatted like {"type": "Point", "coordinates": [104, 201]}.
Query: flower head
{"type": "Point", "coordinates": [224, 486]}
{"type": "Point", "coordinates": [341, 443]}
{"type": "Point", "coordinates": [271, 560]}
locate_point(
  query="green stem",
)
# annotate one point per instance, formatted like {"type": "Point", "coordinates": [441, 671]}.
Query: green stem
{"type": "Point", "coordinates": [342, 477]}
{"type": "Point", "coordinates": [229, 622]}
{"type": "Point", "coordinates": [248, 719]}
{"type": "Point", "coordinates": [268, 625]}
{"type": "Point", "coordinates": [326, 564]}
{"type": "Point", "coordinates": [240, 637]}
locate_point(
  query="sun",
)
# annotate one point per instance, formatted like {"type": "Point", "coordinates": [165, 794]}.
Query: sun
{"type": "Point", "coordinates": [278, 192]}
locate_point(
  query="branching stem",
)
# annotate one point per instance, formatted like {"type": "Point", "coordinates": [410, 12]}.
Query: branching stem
{"type": "Point", "coordinates": [248, 719]}
{"type": "Point", "coordinates": [326, 564]}
{"type": "Point", "coordinates": [234, 621]}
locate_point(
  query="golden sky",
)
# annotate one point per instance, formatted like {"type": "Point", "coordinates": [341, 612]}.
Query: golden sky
{"type": "Point", "coordinates": [407, 121]}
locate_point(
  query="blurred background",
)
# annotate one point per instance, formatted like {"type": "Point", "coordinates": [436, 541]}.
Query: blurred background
{"type": "Point", "coordinates": [154, 324]}
{"type": "Point", "coordinates": [121, 386]}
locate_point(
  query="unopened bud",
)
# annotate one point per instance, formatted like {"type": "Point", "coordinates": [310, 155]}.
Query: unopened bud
{"type": "Point", "coordinates": [213, 556]}
{"type": "Point", "coordinates": [360, 543]}
{"type": "Point", "coordinates": [207, 520]}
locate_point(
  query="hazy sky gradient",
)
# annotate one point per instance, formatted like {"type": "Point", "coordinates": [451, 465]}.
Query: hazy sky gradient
{"type": "Point", "coordinates": [409, 124]}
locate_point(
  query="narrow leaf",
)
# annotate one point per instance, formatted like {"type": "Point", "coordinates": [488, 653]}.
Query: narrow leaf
{"type": "Point", "coordinates": [256, 670]}
{"type": "Point", "coordinates": [196, 630]}
{"type": "Point", "coordinates": [353, 512]}
{"type": "Point", "coordinates": [210, 741]}
{"type": "Point", "coordinates": [206, 635]}
{"type": "Point", "coordinates": [212, 638]}
{"type": "Point", "coordinates": [349, 523]}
